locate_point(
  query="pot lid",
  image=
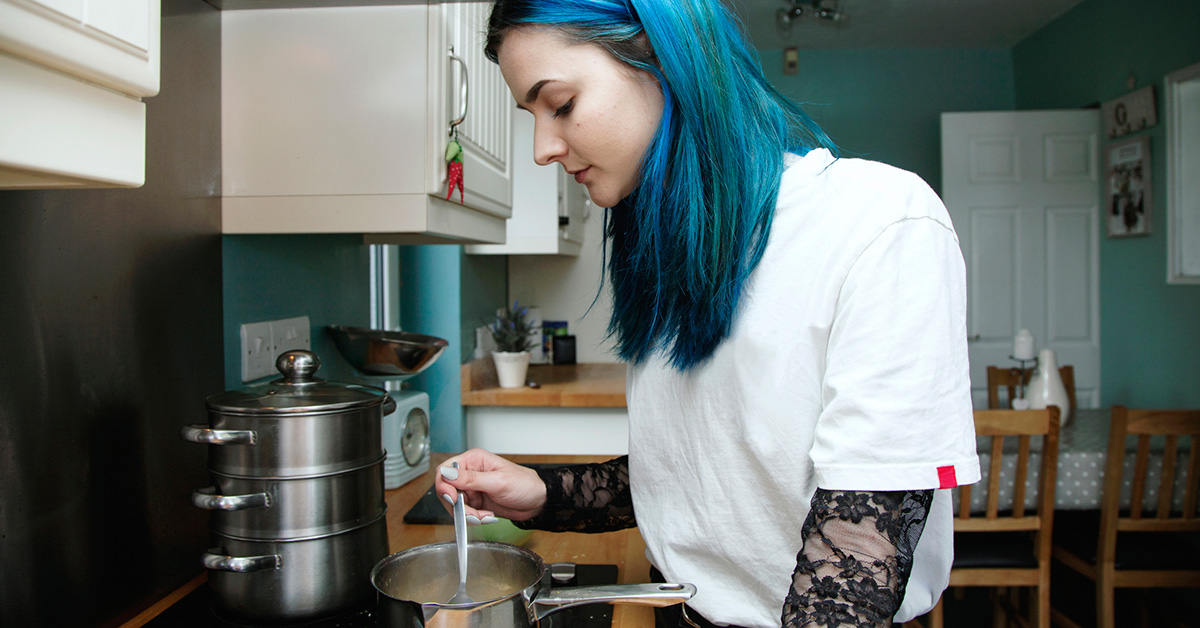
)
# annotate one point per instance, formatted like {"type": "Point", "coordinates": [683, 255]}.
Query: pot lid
{"type": "Point", "coordinates": [299, 391]}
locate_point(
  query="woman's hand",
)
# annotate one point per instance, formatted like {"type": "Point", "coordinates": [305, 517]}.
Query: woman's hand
{"type": "Point", "coordinates": [491, 486]}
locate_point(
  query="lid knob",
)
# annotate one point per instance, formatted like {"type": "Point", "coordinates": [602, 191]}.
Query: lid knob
{"type": "Point", "coordinates": [298, 366]}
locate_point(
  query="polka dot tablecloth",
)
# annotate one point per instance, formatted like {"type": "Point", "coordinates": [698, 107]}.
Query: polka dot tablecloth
{"type": "Point", "coordinates": [1083, 446]}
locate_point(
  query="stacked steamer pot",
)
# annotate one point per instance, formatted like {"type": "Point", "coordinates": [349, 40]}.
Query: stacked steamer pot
{"type": "Point", "coordinates": [297, 502]}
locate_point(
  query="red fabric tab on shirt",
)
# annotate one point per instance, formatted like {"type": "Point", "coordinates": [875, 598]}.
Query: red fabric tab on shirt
{"type": "Point", "coordinates": [946, 477]}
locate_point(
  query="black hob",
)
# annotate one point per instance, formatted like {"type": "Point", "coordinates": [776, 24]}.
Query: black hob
{"type": "Point", "coordinates": [195, 610]}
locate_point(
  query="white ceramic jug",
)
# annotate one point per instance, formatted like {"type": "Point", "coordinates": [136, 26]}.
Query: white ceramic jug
{"type": "Point", "coordinates": [1046, 387]}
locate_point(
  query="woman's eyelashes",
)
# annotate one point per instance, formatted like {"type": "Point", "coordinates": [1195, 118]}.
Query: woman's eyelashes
{"type": "Point", "coordinates": [564, 109]}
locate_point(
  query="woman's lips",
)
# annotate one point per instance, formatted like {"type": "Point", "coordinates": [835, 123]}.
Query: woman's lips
{"type": "Point", "coordinates": [579, 176]}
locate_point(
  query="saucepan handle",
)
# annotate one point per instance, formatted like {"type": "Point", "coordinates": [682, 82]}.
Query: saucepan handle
{"type": "Point", "coordinates": [552, 600]}
{"type": "Point", "coordinates": [240, 564]}
{"type": "Point", "coordinates": [208, 436]}
{"type": "Point", "coordinates": [208, 499]}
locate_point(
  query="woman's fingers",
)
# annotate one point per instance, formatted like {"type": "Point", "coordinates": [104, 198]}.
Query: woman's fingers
{"type": "Point", "coordinates": [492, 486]}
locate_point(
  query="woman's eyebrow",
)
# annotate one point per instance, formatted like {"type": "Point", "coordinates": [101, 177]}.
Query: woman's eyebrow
{"type": "Point", "coordinates": [532, 94]}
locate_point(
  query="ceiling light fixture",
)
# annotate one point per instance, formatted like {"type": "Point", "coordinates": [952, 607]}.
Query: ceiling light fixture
{"type": "Point", "coordinates": [826, 10]}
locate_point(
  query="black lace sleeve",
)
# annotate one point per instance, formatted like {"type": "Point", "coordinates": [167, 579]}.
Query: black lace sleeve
{"type": "Point", "coordinates": [585, 498]}
{"type": "Point", "coordinates": [857, 556]}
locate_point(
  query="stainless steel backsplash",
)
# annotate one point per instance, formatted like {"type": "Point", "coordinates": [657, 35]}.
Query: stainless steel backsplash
{"type": "Point", "coordinates": [110, 320]}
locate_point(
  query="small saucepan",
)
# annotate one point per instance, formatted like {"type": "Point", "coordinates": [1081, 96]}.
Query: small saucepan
{"type": "Point", "coordinates": [511, 584]}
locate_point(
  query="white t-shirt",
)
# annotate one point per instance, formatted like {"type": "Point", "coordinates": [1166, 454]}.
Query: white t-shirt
{"type": "Point", "coordinates": [845, 369]}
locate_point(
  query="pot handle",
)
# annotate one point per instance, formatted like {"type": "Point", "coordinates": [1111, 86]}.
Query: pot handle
{"type": "Point", "coordinates": [664, 594]}
{"type": "Point", "coordinates": [207, 436]}
{"type": "Point", "coordinates": [240, 564]}
{"type": "Point", "coordinates": [208, 499]}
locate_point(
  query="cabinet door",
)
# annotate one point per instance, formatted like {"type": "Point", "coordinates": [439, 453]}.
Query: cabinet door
{"type": "Point", "coordinates": [544, 198]}
{"type": "Point", "coordinates": [114, 43]}
{"type": "Point", "coordinates": [573, 207]}
{"type": "Point", "coordinates": [485, 133]}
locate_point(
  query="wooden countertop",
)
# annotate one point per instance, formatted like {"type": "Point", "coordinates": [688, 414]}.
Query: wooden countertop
{"type": "Point", "coordinates": [559, 385]}
{"type": "Point", "coordinates": [625, 548]}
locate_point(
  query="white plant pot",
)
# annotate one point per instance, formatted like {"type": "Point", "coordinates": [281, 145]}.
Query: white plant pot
{"type": "Point", "coordinates": [511, 368]}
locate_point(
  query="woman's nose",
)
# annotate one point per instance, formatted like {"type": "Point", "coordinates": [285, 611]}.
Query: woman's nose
{"type": "Point", "coordinates": [547, 147]}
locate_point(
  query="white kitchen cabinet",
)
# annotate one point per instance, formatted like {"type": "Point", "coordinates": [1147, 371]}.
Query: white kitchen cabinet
{"type": "Point", "coordinates": [548, 430]}
{"type": "Point", "coordinates": [72, 76]}
{"type": "Point", "coordinates": [336, 120]}
{"type": "Point", "coordinates": [549, 207]}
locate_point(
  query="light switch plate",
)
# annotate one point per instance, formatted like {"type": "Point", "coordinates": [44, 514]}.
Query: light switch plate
{"type": "Point", "coordinates": [258, 353]}
{"type": "Point", "coordinates": [791, 60]}
{"type": "Point", "coordinates": [263, 342]}
{"type": "Point", "coordinates": [291, 333]}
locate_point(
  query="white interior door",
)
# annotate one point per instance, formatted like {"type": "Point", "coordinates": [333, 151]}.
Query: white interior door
{"type": "Point", "coordinates": [1022, 188]}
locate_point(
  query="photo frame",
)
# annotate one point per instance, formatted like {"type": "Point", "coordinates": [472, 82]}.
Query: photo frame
{"type": "Point", "coordinates": [1128, 204]}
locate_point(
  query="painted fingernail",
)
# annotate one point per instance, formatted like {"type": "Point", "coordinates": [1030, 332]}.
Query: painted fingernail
{"type": "Point", "coordinates": [473, 520]}
{"type": "Point", "coordinates": [448, 498]}
{"type": "Point", "coordinates": [450, 473]}
{"type": "Point", "coordinates": [489, 519]}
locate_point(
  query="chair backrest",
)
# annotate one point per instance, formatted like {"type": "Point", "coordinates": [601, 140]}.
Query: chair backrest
{"type": "Point", "coordinates": [1022, 425]}
{"type": "Point", "coordinates": [1150, 428]}
{"type": "Point", "coordinates": [1009, 378]}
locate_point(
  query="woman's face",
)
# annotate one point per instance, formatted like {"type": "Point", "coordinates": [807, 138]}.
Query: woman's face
{"type": "Point", "coordinates": [592, 114]}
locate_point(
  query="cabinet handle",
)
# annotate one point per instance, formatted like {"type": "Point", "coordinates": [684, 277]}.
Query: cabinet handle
{"type": "Point", "coordinates": [463, 92]}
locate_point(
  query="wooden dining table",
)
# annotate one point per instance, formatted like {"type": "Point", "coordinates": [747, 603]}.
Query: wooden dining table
{"type": "Point", "coordinates": [1082, 452]}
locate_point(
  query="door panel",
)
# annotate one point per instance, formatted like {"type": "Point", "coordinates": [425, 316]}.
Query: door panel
{"type": "Point", "coordinates": [1022, 189]}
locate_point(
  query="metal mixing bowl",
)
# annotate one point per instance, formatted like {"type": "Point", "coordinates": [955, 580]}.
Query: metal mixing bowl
{"type": "Point", "coordinates": [387, 353]}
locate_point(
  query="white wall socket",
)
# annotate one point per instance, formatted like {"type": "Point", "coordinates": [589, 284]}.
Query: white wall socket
{"type": "Point", "coordinates": [263, 342]}
{"type": "Point", "coordinates": [258, 353]}
{"type": "Point", "coordinates": [291, 333]}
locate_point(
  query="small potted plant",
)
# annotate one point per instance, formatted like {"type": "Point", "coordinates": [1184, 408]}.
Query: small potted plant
{"type": "Point", "coordinates": [513, 333]}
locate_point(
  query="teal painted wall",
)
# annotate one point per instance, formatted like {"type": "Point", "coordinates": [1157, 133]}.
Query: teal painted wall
{"type": "Point", "coordinates": [1149, 330]}
{"type": "Point", "coordinates": [885, 105]}
{"type": "Point", "coordinates": [444, 293]}
{"type": "Point", "coordinates": [269, 277]}
{"type": "Point", "coordinates": [430, 304]}
{"type": "Point", "coordinates": [484, 288]}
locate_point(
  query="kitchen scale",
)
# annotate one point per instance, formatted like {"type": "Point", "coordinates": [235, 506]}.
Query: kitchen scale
{"type": "Point", "coordinates": [392, 357]}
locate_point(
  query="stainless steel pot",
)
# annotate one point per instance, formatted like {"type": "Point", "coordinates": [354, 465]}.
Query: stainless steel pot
{"type": "Point", "coordinates": [297, 425]}
{"type": "Point", "coordinates": [288, 507]}
{"type": "Point", "coordinates": [511, 586]}
{"type": "Point", "coordinates": [294, 580]}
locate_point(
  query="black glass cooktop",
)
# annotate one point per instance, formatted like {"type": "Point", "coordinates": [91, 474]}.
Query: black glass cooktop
{"type": "Point", "coordinates": [195, 610]}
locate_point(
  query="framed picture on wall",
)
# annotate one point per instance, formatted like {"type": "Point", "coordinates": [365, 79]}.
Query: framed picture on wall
{"type": "Point", "coordinates": [1129, 208]}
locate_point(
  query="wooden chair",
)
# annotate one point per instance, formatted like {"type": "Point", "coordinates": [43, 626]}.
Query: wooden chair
{"type": "Point", "coordinates": [1007, 379]}
{"type": "Point", "coordinates": [1139, 547]}
{"type": "Point", "coordinates": [1009, 548]}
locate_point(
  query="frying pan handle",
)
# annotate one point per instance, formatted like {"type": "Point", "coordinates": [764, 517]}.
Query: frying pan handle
{"type": "Point", "coordinates": [240, 564]}
{"type": "Point", "coordinates": [207, 436]}
{"type": "Point", "coordinates": [208, 499]}
{"type": "Point", "coordinates": [555, 600]}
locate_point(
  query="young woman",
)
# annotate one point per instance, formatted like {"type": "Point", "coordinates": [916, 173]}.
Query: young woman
{"type": "Point", "coordinates": [794, 326]}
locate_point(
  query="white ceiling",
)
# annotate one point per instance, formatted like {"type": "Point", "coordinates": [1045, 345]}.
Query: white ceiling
{"type": "Point", "coordinates": [905, 23]}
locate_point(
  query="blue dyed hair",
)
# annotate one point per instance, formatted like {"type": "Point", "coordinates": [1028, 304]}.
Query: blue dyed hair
{"type": "Point", "coordinates": [685, 241]}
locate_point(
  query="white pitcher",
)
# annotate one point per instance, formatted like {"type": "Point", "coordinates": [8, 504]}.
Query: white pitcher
{"type": "Point", "coordinates": [1046, 387]}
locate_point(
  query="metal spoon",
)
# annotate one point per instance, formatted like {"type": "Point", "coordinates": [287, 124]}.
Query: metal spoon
{"type": "Point", "coordinates": [460, 536]}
